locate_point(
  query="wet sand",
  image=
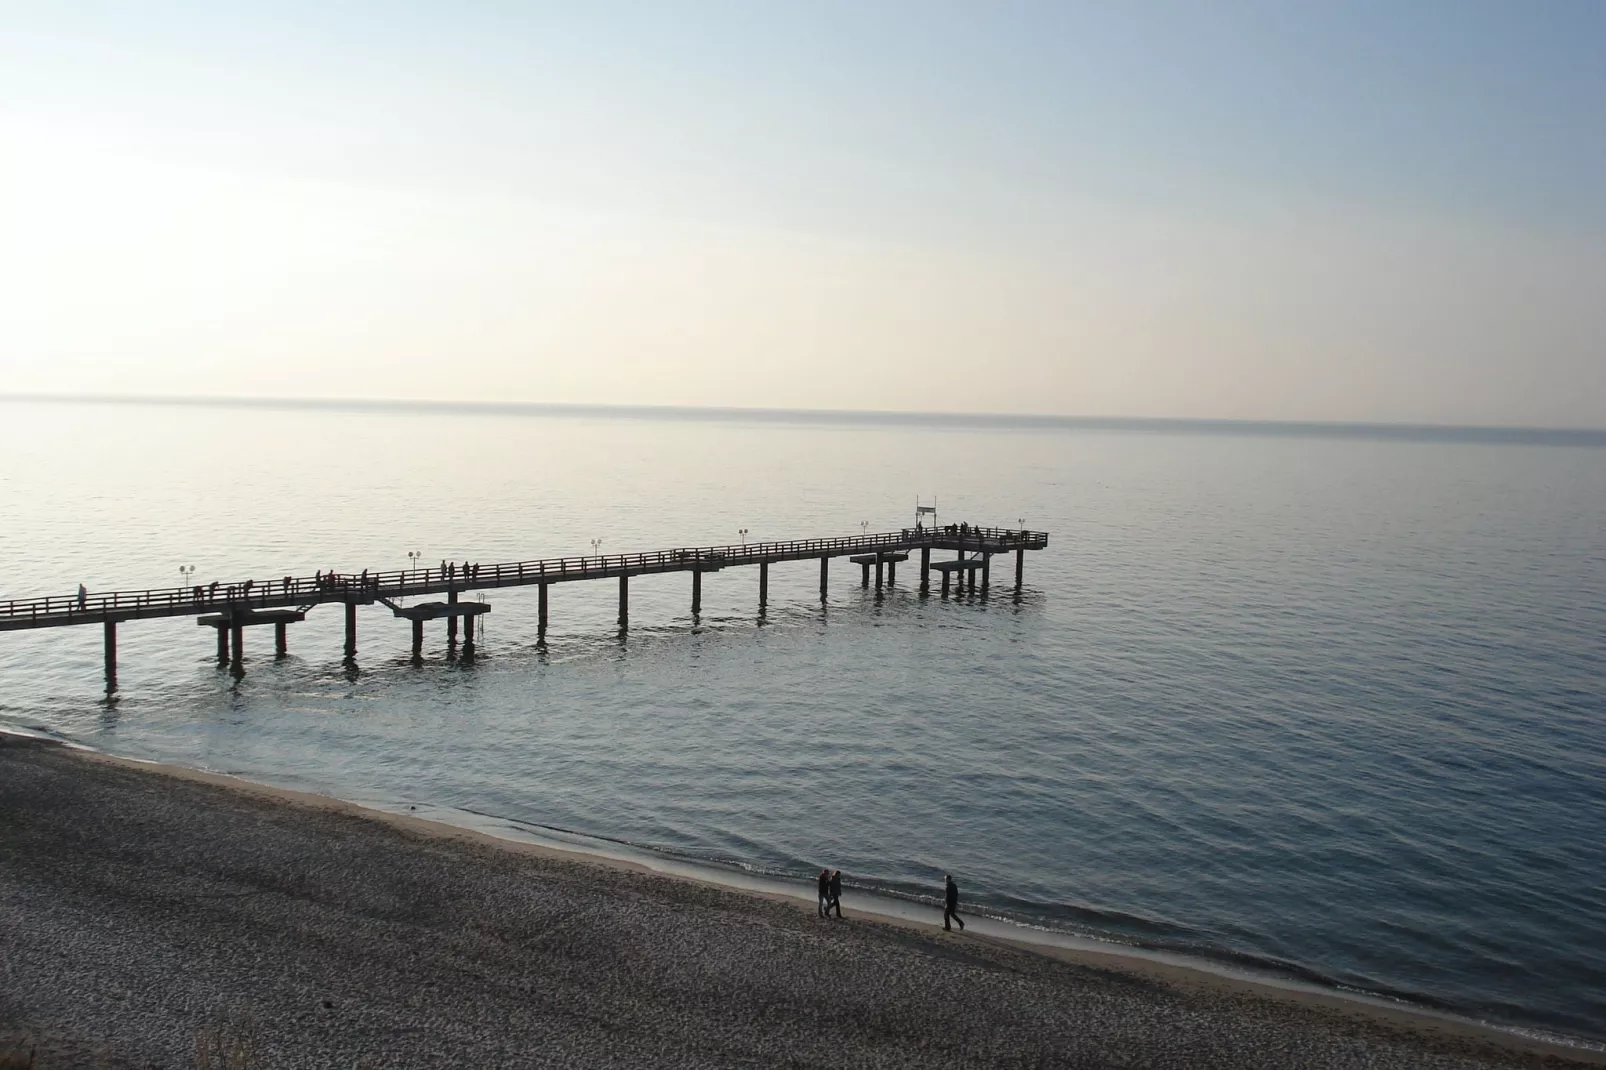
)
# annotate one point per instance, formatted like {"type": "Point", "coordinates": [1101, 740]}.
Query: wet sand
{"type": "Point", "coordinates": [141, 905]}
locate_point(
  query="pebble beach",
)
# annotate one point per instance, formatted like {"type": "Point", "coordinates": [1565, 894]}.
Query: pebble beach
{"type": "Point", "coordinates": [146, 909]}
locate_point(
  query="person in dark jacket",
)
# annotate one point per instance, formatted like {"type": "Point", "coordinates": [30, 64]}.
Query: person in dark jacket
{"type": "Point", "coordinates": [824, 882]}
{"type": "Point", "coordinates": [951, 905]}
{"type": "Point", "coordinates": [836, 893]}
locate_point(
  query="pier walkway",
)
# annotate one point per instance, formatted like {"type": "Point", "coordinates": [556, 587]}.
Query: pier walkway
{"type": "Point", "coordinates": [229, 607]}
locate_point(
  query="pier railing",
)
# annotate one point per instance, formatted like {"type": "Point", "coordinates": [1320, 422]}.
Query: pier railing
{"type": "Point", "coordinates": [367, 586]}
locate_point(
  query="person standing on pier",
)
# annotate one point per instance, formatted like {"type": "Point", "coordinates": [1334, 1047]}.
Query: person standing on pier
{"type": "Point", "coordinates": [950, 907]}
{"type": "Point", "coordinates": [83, 595]}
{"type": "Point", "coordinates": [836, 894]}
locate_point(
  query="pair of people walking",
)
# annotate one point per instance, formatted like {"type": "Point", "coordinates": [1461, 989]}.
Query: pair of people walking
{"type": "Point", "coordinates": [829, 886]}
{"type": "Point", "coordinates": [830, 889]}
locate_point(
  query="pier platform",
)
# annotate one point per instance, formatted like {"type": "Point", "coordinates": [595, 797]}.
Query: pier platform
{"type": "Point", "coordinates": [450, 611]}
{"type": "Point", "coordinates": [232, 622]}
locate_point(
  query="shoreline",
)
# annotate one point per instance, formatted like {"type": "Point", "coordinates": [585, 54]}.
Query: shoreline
{"type": "Point", "coordinates": [1171, 970]}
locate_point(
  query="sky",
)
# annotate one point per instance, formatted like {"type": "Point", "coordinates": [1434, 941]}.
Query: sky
{"type": "Point", "coordinates": [1362, 211]}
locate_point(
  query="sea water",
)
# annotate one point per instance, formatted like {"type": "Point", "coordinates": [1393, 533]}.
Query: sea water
{"type": "Point", "coordinates": [1329, 704]}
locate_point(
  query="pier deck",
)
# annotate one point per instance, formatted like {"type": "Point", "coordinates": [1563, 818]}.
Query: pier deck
{"type": "Point", "coordinates": [231, 607]}
{"type": "Point", "coordinates": [304, 592]}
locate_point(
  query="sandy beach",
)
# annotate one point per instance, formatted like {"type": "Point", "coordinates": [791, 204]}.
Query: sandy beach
{"type": "Point", "coordinates": [144, 906]}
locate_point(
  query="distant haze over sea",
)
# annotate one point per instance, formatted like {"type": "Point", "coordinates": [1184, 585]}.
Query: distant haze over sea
{"type": "Point", "coordinates": [1538, 436]}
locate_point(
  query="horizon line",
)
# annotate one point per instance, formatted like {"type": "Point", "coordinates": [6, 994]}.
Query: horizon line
{"type": "Point", "coordinates": [1483, 433]}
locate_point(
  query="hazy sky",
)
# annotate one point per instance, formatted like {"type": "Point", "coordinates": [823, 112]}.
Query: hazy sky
{"type": "Point", "coordinates": [1356, 211]}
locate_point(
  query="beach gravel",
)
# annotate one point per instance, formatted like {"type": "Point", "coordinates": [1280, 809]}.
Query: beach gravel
{"type": "Point", "coordinates": [140, 912]}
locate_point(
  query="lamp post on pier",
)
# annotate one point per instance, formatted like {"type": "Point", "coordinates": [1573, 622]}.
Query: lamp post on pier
{"type": "Point", "coordinates": [743, 533]}
{"type": "Point", "coordinates": [413, 557]}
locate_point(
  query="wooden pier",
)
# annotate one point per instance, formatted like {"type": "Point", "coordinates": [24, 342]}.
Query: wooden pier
{"type": "Point", "coordinates": [231, 608]}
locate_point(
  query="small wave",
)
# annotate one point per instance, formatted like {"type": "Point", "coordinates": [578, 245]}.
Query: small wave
{"type": "Point", "coordinates": [36, 731]}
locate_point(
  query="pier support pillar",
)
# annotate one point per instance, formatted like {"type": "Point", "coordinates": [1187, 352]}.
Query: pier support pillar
{"type": "Point", "coordinates": [468, 638]}
{"type": "Point", "coordinates": [696, 591]}
{"type": "Point", "coordinates": [986, 564]}
{"type": "Point", "coordinates": [111, 656]}
{"type": "Point", "coordinates": [865, 581]}
{"type": "Point", "coordinates": [540, 625]}
{"type": "Point", "coordinates": [281, 641]}
{"type": "Point", "coordinates": [925, 570]}
{"type": "Point", "coordinates": [880, 572]}
{"type": "Point", "coordinates": [825, 571]}
{"type": "Point", "coordinates": [945, 575]}
{"type": "Point", "coordinates": [1020, 567]}
{"type": "Point", "coordinates": [892, 573]}
{"type": "Point", "coordinates": [763, 584]}
{"type": "Point", "coordinates": [222, 645]}
{"type": "Point", "coordinates": [418, 640]}
{"type": "Point", "coordinates": [451, 624]}
{"type": "Point", "coordinates": [624, 603]}
{"type": "Point", "coordinates": [237, 649]}
{"type": "Point", "coordinates": [351, 631]}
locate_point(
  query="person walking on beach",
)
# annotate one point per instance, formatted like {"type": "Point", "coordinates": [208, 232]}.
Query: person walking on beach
{"type": "Point", "coordinates": [824, 882]}
{"type": "Point", "coordinates": [836, 894]}
{"type": "Point", "coordinates": [950, 907]}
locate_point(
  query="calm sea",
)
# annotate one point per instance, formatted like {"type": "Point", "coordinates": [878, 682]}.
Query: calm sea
{"type": "Point", "coordinates": [1330, 705]}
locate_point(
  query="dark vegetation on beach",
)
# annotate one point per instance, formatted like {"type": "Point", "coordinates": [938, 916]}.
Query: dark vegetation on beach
{"type": "Point", "coordinates": [158, 921]}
